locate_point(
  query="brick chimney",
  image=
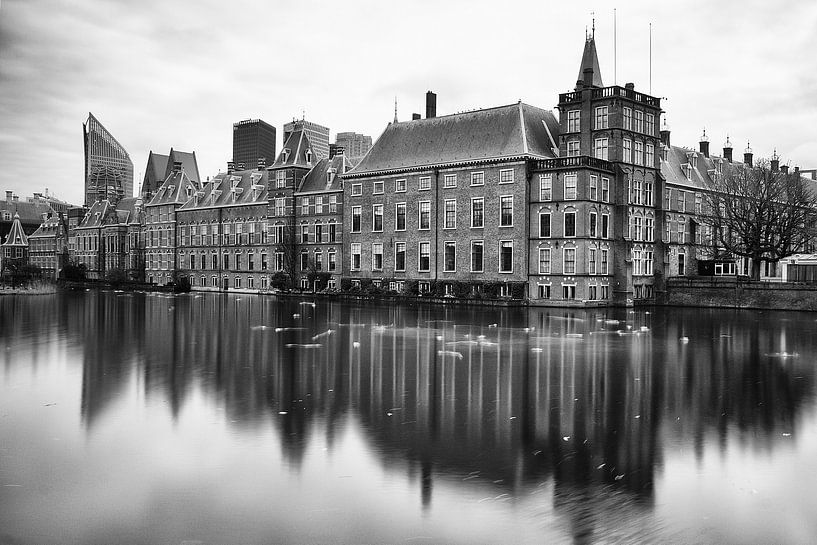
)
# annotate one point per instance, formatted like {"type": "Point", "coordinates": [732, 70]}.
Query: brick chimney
{"type": "Point", "coordinates": [240, 166]}
{"type": "Point", "coordinates": [727, 149]}
{"type": "Point", "coordinates": [177, 166]}
{"type": "Point", "coordinates": [704, 143]}
{"type": "Point", "coordinates": [747, 155]}
{"type": "Point", "coordinates": [665, 133]}
{"type": "Point", "coordinates": [431, 105]}
{"type": "Point", "coordinates": [262, 163]}
{"type": "Point", "coordinates": [784, 169]}
{"type": "Point", "coordinates": [8, 196]}
{"type": "Point", "coordinates": [230, 167]}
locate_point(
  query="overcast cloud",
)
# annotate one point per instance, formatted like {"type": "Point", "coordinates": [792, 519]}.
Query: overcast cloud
{"type": "Point", "coordinates": [159, 73]}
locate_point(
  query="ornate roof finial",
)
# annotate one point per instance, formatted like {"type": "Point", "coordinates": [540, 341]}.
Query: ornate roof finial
{"type": "Point", "coordinates": [395, 109]}
{"type": "Point", "coordinates": [775, 156]}
{"type": "Point", "coordinates": [593, 34]}
{"type": "Point", "coordinates": [704, 137]}
{"type": "Point", "coordinates": [748, 147]}
{"type": "Point", "coordinates": [727, 144]}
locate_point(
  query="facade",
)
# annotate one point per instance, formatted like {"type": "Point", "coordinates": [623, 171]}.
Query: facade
{"type": "Point", "coordinates": [14, 250]}
{"type": "Point", "coordinates": [354, 145]}
{"type": "Point", "coordinates": [318, 136]}
{"type": "Point", "coordinates": [48, 246]}
{"type": "Point", "coordinates": [108, 167]}
{"type": "Point", "coordinates": [160, 167]}
{"type": "Point", "coordinates": [253, 141]}
{"type": "Point", "coordinates": [31, 212]}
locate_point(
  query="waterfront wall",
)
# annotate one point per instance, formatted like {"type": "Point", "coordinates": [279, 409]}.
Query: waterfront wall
{"type": "Point", "coordinates": [734, 293]}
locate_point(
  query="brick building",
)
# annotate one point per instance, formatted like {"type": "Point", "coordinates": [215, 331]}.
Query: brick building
{"type": "Point", "coordinates": [48, 246]}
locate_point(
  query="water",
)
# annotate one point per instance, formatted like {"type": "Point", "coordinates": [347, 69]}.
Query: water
{"type": "Point", "coordinates": [216, 419]}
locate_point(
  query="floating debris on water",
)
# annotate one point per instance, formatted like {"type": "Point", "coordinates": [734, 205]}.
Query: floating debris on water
{"type": "Point", "coordinates": [262, 328]}
{"type": "Point", "coordinates": [296, 315]}
{"type": "Point", "coordinates": [355, 344]}
{"type": "Point", "coordinates": [324, 334]}
{"type": "Point", "coordinates": [311, 304]}
{"type": "Point", "coordinates": [782, 355]}
{"type": "Point", "coordinates": [305, 345]}
{"type": "Point", "coordinates": [492, 325]}
{"type": "Point", "coordinates": [684, 339]}
{"type": "Point", "coordinates": [451, 353]}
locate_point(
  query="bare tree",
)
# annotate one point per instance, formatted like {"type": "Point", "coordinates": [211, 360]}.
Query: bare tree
{"type": "Point", "coordinates": [759, 213]}
{"type": "Point", "coordinates": [286, 244]}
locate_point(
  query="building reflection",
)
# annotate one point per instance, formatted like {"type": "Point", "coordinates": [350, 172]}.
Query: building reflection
{"type": "Point", "coordinates": [515, 398]}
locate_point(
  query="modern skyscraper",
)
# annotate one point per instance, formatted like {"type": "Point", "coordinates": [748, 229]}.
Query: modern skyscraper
{"type": "Point", "coordinates": [253, 139]}
{"type": "Point", "coordinates": [354, 144]}
{"type": "Point", "coordinates": [318, 135]}
{"type": "Point", "coordinates": [108, 168]}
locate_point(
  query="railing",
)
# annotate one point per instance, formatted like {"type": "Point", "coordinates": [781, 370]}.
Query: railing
{"type": "Point", "coordinates": [572, 162]}
{"type": "Point", "coordinates": [614, 91]}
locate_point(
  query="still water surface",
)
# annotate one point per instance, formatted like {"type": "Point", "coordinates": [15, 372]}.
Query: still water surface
{"type": "Point", "coordinates": [224, 419]}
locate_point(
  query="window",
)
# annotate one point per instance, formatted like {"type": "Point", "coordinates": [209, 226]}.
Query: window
{"type": "Point", "coordinates": [698, 200]}
{"type": "Point", "coordinates": [681, 264]}
{"type": "Point", "coordinates": [506, 211]}
{"type": "Point", "coordinates": [601, 117]}
{"type": "Point", "coordinates": [377, 256]}
{"type": "Point", "coordinates": [649, 229]}
{"type": "Point", "coordinates": [647, 256]}
{"type": "Point", "coordinates": [333, 232]}
{"type": "Point", "coordinates": [377, 188]}
{"type": "Point", "coordinates": [506, 176]}
{"type": "Point", "coordinates": [593, 224]}
{"type": "Point", "coordinates": [650, 162]}
{"type": "Point", "coordinates": [477, 178]}
{"type": "Point", "coordinates": [601, 148]}
{"type": "Point", "coordinates": [638, 233]}
{"type": "Point", "coordinates": [424, 257]}
{"type": "Point", "coordinates": [570, 224]}
{"type": "Point", "coordinates": [450, 214]}
{"type": "Point", "coordinates": [591, 261]}
{"type": "Point", "coordinates": [425, 215]}
{"type": "Point", "coordinates": [477, 212]}
{"type": "Point", "coordinates": [477, 255]}
{"type": "Point", "coordinates": [333, 260]}
{"type": "Point", "coordinates": [628, 118]}
{"type": "Point", "coordinates": [304, 261]}
{"type": "Point", "coordinates": [333, 204]}
{"type": "Point", "coordinates": [569, 261]}
{"type": "Point", "coordinates": [668, 199]}
{"type": "Point", "coordinates": [399, 256]}
{"type": "Point", "coordinates": [605, 225]}
{"type": "Point", "coordinates": [594, 187]}
{"type": "Point", "coordinates": [682, 201]}
{"type": "Point", "coordinates": [544, 291]}
{"type": "Point", "coordinates": [668, 229]}
{"type": "Point", "coordinates": [681, 231]}
{"type": "Point", "coordinates": [377, 217]}
{"type": "Point", "coordinates": [263, 262]}
{"type": "Point", "coordinates": [450, 257]}
{"type": "Point", "coordinates": [650, 128]}
{"type": "Point", "coordinates": [545, 187]}
{"type": "Point", "coordinates": [573, 121]}
{"type": "Point", "coordinates": [400, 216]}
{"type": "Point", "coordinates": [544, 260]}
{"type": "Point", "coordinates": [639, 121]}
{"type": "Point", "coordinates": [425, 183]}
{"type": "Point", "coordinates": [318, 232]}
{"type": "Point", "coordinates": [604, 262]}
{"type": "Point", "coordinates": [639, 152]}
{"type": "Point", "coordinates": [573, 148]}
{"type": "Point", "coordinates": [570, 187]}
{"type": "Point", "coordinates": [450, 181]}
{"type": "Point", "coordinates": [356, 219]}
{"type": "Point", "coordinates": [544, 224]}
{"type": "Point", "coordinates": [355, 256]}
{"type": "Point", "coordinates": [399, 186]}
{"type": "Point", "coordinates": [357, 189]}
{"type": "Point", "coordinates": [647, 193]}
{"type": "Point", "coordinates": [305, 234]}
{"type": "Point", "coordinates": [636, 258]}
{"type": "Point", "coordinates": [506, 256]}
{"type": "Point", "coordinates": [627, 146]}
{"type": "Point", "coordinates": [635, 194]}
{"type": "Point", "coordinates": [280, 179]}
{"type": "Point", "coordinates": [305, 206]}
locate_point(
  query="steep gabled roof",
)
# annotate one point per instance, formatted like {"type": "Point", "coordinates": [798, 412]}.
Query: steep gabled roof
{"type": "Point", "coordinates": [515, 130]}
{"type": "Point", "coordinates": [95, 216]}
{"type": "Point", "coordinates": [50, 227]}
{"type": "Point", "coordinates": [16, 237]}
{"type": "Point", "coordinates": [590, 59]}
{"type": "Point", "coordinates": [296, 152]}
{"type": "Point", "coordinates": [178, 188]}
{"type": "Point", "coordinates": [325, 176]}
{"type": "Point", "coordinates": [188, 161]}
{"type": "Point", "coordinates": [243, 187]}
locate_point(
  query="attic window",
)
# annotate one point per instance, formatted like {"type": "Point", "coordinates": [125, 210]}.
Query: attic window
{"type": "Point", "coordinates": [694, 159]}
{"type": "Point", "coordinates": [286, 154]}
{"type": "Point", "coordinates": [189, 192]}
{"type": "Point", "coordinates": [309, 156]}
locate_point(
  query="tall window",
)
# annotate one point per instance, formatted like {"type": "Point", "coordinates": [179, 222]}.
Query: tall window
{"type": "Point", "coordinates": [628, 118]}
{"type": "Point", "coordinates": [569, 261]}
{"type": "Point", "coordinates": [424, 257]}
{"type": "Point", "coordinates": [639, 152]}
{"type": "Point", "coordinates": [570, 187]}
{"type": "Point", "coordinates": [399, 256]}
{"type": "Point", "coordinates": [356, 211]}
{"type": "Point", "coordinates": [450, 181]}
{"type": "Point", "coordinates": [594, 187]}
{"type": "Point", "coordinates": [544, 260]}
{"type": "Point", "coordinates": [682, 201]}
{"type": "Point", "coordinates": [400, 216]}
{"type": "Point", "coordinates": [605, 189]}
{"type": "Point", "coordinates": [477, 255]}
{"type": "Point", "coordinates": [627, 147]}
{"type": "Point", "coordinates": [377, 217]}
{"type": "Point", "coordinates": [591, 261]}
{"type": "Point", "coordinates": [280, 206]}
{"type": "Point", "coordinates": [698, 202]}
{"type": "Point", "coordinates": [637, 264]}
{"type": "Point", "coordinates": [639, 121]}
{"type": "Point", "coordinates": [450, 214]}
{"type": "Point", "coordinates": [649, 229]}
{"type": "Point", "coordinates": [650, 154]}
{"type": "Point", "coordinates": [638, 233]}
{"type": "Point", "coordinates": [681, 264]}
{"type": "Point", "coordinates": [506, 256]}
{"type": "Point", "coordinates": [545, 187]}
{"type": "Point", "coordinates": [605, 225]}
{"type": "Point", "coordinates": [604, 267]}
{"type": "Point", "coordinates": [648, 193]}
{"type": "Point", "coordinates": [305, 206]}
{"type": "Point", "coordinates": [425, 215]}
{"type": "Point", "coordinates": [477, 212]}
{"type": "Point", "coordinates": [544, 224]}
{"type": "Point", "coordinates": [377, 256]}
{"type": "Point", "coordinates": [601, 117]}
{"type": "Point", "coordinates": [681, 232]}
{"type": "Point", "coordinates": [650, 128]}
{"type": "Point", "coordinates": [355, 256]}
{"type": "Point", "coordinates": [280, 179]}
{"type": "Point", "coordinates": [570, 224]}
{"type": "Point", "coordinates": [573, 148]}
{"type": "Point", "coordinates": [450, 256]}
{"type": "Point", "coordinates": [601, 148]}
{"type": "Point", "coordinates": [636, 192]}
{"type": "Point", "coordinates": [506, 211]}
{"type": "Point", "coordinates": [305, 234]}
{"type": "Point", "coordinates": [593, 224]}
{"type": "Point", "coordinates": [573, 120]}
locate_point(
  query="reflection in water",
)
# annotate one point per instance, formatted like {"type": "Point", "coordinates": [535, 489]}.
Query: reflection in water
{"type": "Point", "coordinates": [589, 402]}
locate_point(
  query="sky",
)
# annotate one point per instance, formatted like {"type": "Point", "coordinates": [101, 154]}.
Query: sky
{"type": "Point", "coordinates": [161, 73]}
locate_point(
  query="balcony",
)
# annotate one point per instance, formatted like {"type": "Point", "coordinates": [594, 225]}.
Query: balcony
{"type": "Point", "coordinates": [609, 92]}
{"type": "Point", "coordinates": [572, 162]}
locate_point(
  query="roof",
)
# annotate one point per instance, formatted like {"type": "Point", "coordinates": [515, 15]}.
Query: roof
{"type": "Point", "coordinates": [50, 227]}
{"type": "Point", "coordinates": [31, 213]}
{"type": "Point", "coordinates": [515, 130]}
{"type": "Point", "coordinates": [188, 161]}
{"type": "Point", "coordinates": [296, 152]}
{"type": "Point", "coordinates": [95, 216]}
{"type": "Point", "coordinates": [236, 188]}
{"type": "Point", "coordinates": [178, 188]}
{"type": "Point", "coordinates": [16, 237]}
{"type": "Point", "coordinates": [325, 175]}
{"type": "Point", "coordinates": [590, 59]}
{"type": "Point", "coordinates": [128, 209]}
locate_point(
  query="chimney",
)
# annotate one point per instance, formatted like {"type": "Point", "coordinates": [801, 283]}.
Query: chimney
{"type": "Point", "coordinates": [665, 133]}
{"type": "Point", "coordinates": [177, 166]}
{"type": "Point", "coordinates": [16, 198]}
{"type": "Point", "coordinates": [431, 105]}
{"type": "Point", "coordinates": [727, 149]}
{"type": "Point", "coordinates": [796, 172]}
{"type": "Point", "coordinates": [588, 77]}
{"type": "Point", "coordinates": [240, 166]}
{"type": "Point", "coordinates": [775, 162]}
{"type": "Point", "coordinates": [8, 196]}
{"type": "Point", "coordinates": [262, 163]}
{"type": "Point", "coordinates": [630, 86]}
{"type": "Point", "coordinates": [230, 167]}
{"type": "Point", "coordinates": [704, 144]}
{"type": "Point", "coordinates": [415, 117]}
{"type": "Point", "coordinates": [335, 150]}
{"type": "Point", "coordinates": [747, 155]}
{"type": "Point", "coordinates": [784, 169]}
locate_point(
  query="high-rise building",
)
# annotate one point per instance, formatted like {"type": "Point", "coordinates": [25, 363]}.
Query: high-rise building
{"type": "Point", "coordinates": [354, 144]}
{"type": "Point", "coordinates": [253, 139]}
{"type": "Point", "coordinates": [108, 168]}
{"type": "Point", "coordinates": [318, 135]}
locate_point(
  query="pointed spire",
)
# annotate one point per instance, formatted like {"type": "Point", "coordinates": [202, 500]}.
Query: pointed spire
{"type": "Point", "coordinates": [590, 61]}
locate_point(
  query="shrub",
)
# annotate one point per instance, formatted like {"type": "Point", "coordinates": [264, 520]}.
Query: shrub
{"type": "Point", "coordinates": [518, 290]}
{"type": "Point", "coordinates": [75, 271]}
{"type": "Point", "coordinates": [181, 283]}
{"type": "Point", "coordinates": [345, 284]}
{"type": "Point", "coordinates": [116, 277]}
{"type": "Point", "coordinates": [280, 281]}
{"type": "Point", "coordinates": [411, 287]}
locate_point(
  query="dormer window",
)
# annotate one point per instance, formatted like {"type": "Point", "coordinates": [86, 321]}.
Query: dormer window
{"type": "Point", "coordinates": [309, 156]}
{"type": "Point", "coordinates": [189, 192]}
{"type": "Point", "coordinates": [285, 154]}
